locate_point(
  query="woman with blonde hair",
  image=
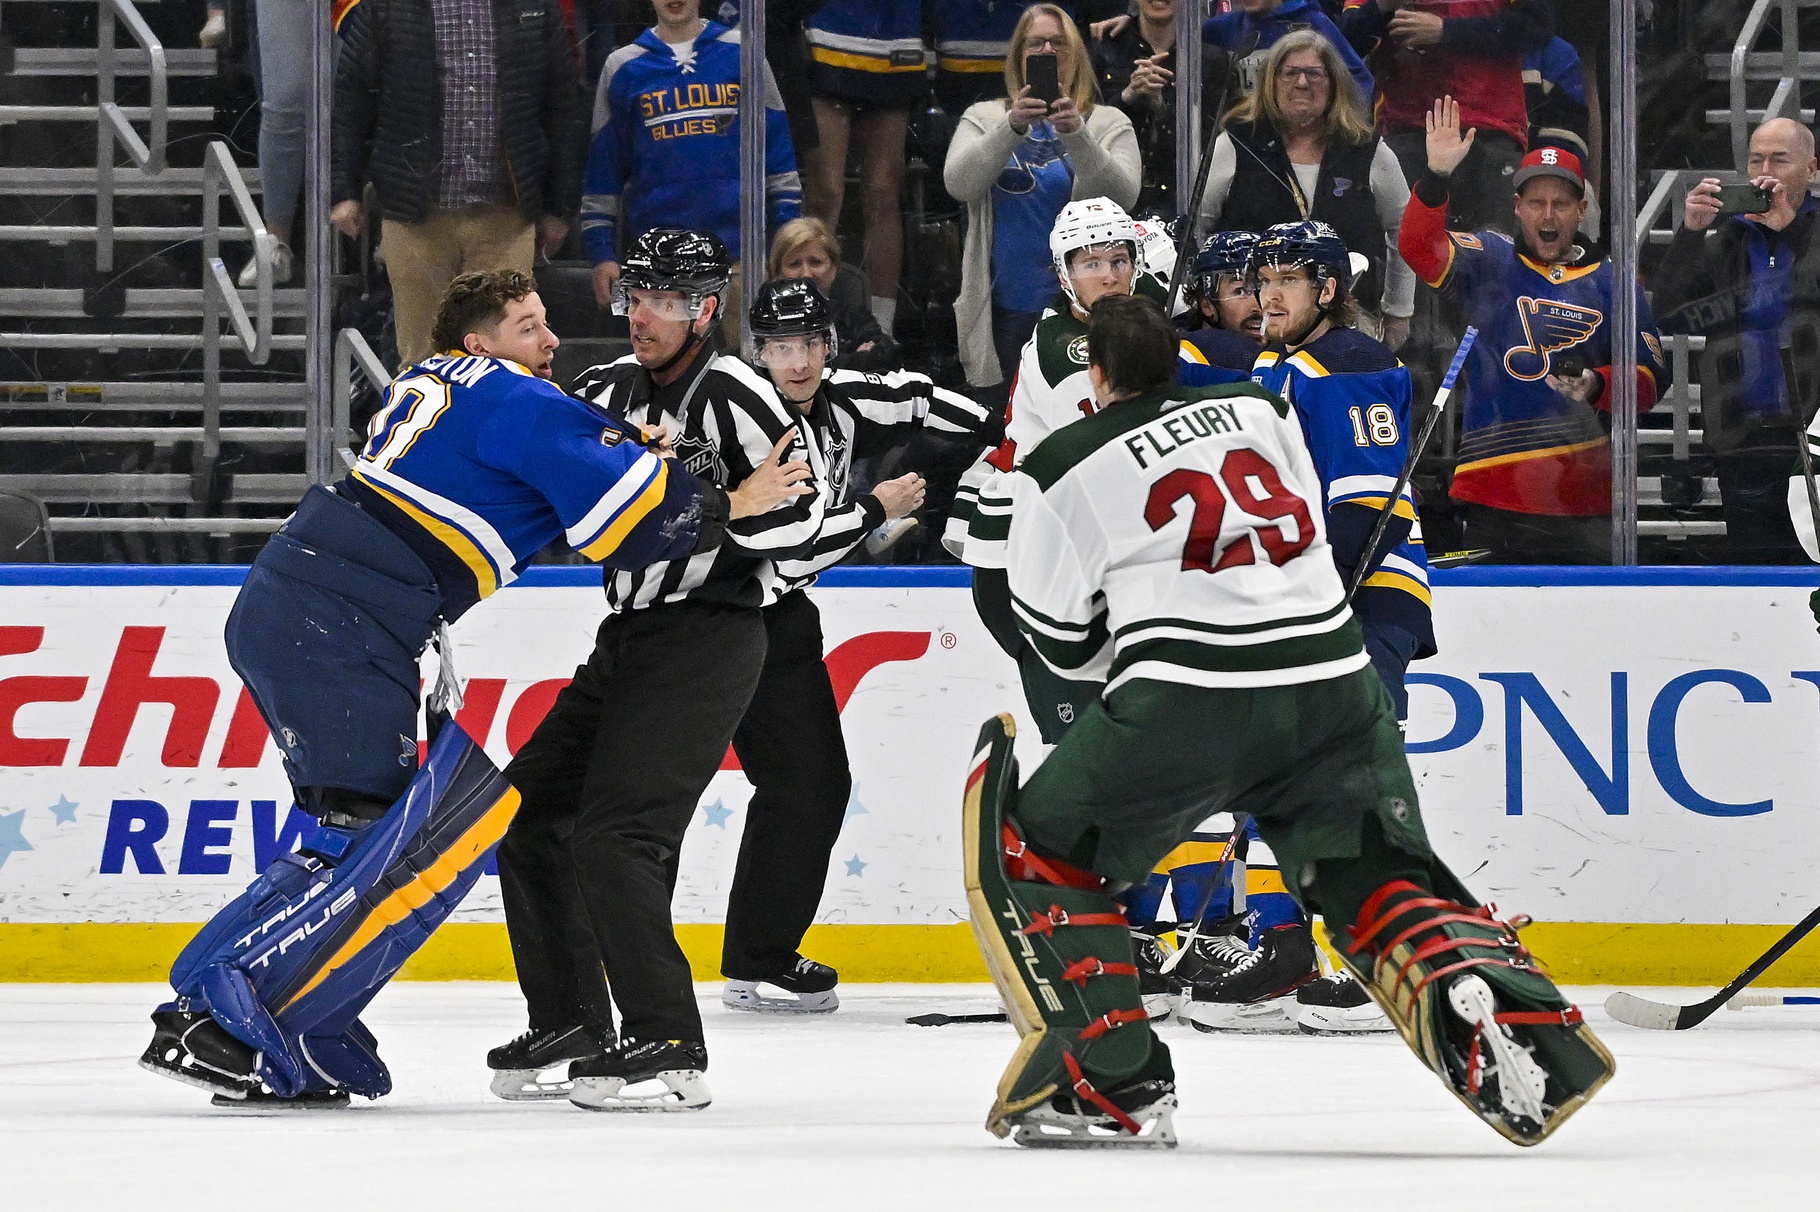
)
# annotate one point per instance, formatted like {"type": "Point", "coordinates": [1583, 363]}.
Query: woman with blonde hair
{"type": "Point", "coordinates": [1301, 146]}
{"type": "Point", "coordinates": [805, 248]}
{"type": "Point", "coordinates": [1015, 162]}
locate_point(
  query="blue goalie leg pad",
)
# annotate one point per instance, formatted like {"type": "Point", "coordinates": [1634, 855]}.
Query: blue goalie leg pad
{"type": "Point", "coordinates": [288, 967]}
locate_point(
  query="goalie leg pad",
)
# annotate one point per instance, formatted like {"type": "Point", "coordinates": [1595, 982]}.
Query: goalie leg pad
{"type": "Point", "coordinates": [287, 968]}
{"type": "Point", "coordinates": [1059, 951]}
{"type": "Point", "coordinates": [1472, 1003]}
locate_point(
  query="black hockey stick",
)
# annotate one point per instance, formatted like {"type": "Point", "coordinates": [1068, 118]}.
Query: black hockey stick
{"type": "Point", "coordinates": [1660, 1016]}
{"type": "Point", "coordinates": [1184, 242]}
{"type": "Point", "coordinates": [943, 1020]}
{"type": "Point", "coordinates": [1409, 466]}
{"type": "Point", "coordinates": [1240, 821]}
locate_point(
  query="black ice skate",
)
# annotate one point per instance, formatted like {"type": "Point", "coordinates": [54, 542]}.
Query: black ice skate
{"type": "Point", "coordinates": [1255, 995]}
{"type": "Point", "coordinates": [1141, 1112]}
{"type": "Point", "coordinates": [262, 1101]}
{"type": "Point", "coordinates": [1471, 1003]}
{"type": "Point", "coordinates": [1211, 953]}
{"type": "Point", "coordinates": [525, 1069]}
{"type": "Point", "coordinates": [198, 1051]}
{"type": "Point", "coordinates": [1337, 1005]}
{"type": "Point", "coordinates": [1162, 998]}
{"type": "Point", "coordinates": [656, 1075]}
{"type": "Point", "coordinates": [806, 988]}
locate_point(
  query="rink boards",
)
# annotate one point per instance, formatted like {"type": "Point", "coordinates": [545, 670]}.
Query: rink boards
{"type": "Point", "coordinates": [1630, 757]}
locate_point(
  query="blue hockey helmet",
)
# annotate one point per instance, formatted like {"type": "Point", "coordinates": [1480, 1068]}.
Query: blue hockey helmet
{"type": "Point", "coordinates": [1309, 243]}
{"type": "Point", "coordinates": [1225, 252]}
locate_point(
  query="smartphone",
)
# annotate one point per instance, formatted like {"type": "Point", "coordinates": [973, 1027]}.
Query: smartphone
{"type": "Point", "coordinates": [1746, 199]}
{"type": "Point", "coordinates": [1045, 83]}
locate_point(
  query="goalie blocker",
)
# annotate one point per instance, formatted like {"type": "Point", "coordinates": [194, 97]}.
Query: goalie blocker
{"type": "Point", "coordinates": [269, 993]}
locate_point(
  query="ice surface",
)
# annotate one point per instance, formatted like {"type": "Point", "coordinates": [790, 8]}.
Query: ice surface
{"type": "Point", "coordinates": [856, 1110]}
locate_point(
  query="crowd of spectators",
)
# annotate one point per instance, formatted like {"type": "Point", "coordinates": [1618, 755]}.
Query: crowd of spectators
{"type": "Point", "coordinates": [465, 123]}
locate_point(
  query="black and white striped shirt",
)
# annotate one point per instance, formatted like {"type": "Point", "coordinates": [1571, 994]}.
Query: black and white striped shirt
{"type": "Point", "coordinates": [859, 415]}
{"type": "Point", "coordinates": [723, 418]}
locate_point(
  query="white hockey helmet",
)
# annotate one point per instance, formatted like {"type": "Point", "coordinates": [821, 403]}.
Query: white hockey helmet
{"type": "Point", "coordinates": [1087, 224]}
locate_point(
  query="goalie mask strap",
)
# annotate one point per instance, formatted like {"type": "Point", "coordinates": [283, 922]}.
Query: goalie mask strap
{"type": "Point", "coordinates": [1084, 1089]}
{"type": "Point", "coordinates": [1023, 863]}
{"type": "Point", "coordinates": [1045, 923]}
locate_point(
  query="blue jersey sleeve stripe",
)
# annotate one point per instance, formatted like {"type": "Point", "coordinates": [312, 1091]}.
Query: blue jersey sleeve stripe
{"type": "Point", "coordinates": [456, 527]}
{"type": "Point", "coordinates": [614, 501]}
{"type": "Point", "coordinates": [636, 511]}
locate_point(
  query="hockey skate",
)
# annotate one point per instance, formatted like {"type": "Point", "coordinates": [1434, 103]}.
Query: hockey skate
{"type": "Point", "coordinates": [1337, 1005]}
{"type": "Point", "coordinates": [525, 1069]}
{"type": "Point", "coordinates": [1256, 995]}
{"type": "Point", "coordinates": [1470, 1001]}
{"type": "Point", "coordinates": [1147, 1118]}
{"type": "Point", "coordinates": [194, 1049]}
{"type": "Point", "coordinates": [1211, 953]}
{"type": "Point", "coordinates": [1162, 997]}
{"type": "Point", "coordinates": [658, 1075]}
{"type": "Point", "coordinates": [807, 988]}
{"type": "Point", "coordinates": [263, 1102]}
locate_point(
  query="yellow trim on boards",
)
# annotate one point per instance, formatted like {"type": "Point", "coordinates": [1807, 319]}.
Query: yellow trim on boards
{"type": "Point", "coordinates": [1576, 953]}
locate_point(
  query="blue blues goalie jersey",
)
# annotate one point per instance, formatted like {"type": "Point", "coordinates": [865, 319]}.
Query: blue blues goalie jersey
{"type": "Point", "coordinates": [1177, 536]}
{"type": "Point", "coordinates": [478, 464]}
{"type": "Point", "coordinates": [1353, 399]}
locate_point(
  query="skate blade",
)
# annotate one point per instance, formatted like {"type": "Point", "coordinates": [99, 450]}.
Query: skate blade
{"type": "Point", "coordinates": [1161, 1007]}
{"type": "Point", "coordinates": [528, 1085]}
{"type": "Point", "coordinates": [1271, 1017]}
{"type": "Point", "coordinates": [684, 1090]}
{"type": "Point", "coordinates": [1045, 1128]}
{"type": "Point", "coordinates": [271, 1105]}
{"type": "Point", "coordinates": [1343, 1020]}
{"type": "Point", "coordinates": [199, 1078]}
{"type": "Point", "coordinates": [751, 998]}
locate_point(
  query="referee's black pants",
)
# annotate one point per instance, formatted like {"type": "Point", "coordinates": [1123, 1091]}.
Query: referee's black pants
{"type": "Point", "coordinates": [791, 747]}
{"type": "Point", "coordinates": [610, 780]}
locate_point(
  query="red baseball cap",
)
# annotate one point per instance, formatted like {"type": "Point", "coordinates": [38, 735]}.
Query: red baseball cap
{"type": "Point", "coordinates": [1550, 162]}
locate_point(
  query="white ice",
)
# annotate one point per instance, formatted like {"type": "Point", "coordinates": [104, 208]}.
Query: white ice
{"type": "Point", "coordinates": [856, 1110]}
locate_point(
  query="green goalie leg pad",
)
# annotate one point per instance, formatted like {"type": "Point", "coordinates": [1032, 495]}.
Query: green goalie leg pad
{"type": "Point", "coordinates": [1059, 951]}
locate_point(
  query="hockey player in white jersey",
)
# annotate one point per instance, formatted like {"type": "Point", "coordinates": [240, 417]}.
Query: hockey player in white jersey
{"type": "Point", "coordinates": [1172, 545]}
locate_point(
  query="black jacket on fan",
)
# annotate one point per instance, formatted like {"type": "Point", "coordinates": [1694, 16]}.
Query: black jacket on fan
{"type": "Point", "coordinates": [1265, 192]}
{"type": "Point", "coordinates": [387, 118]}
{"type": "Point", "coordinates": [857, 415]}
{"type": "Point", "coordinates": [723, 418]}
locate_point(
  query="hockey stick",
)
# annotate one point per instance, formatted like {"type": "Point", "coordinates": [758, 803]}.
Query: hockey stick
{"type": "Point", "coordinates": [1184, 243]}
{"type": "Point", "coordinates": [943, 1020]}
{"type": "Point", "coordinates": [1769, 999]}
{"type": "Point", "coordinates": [1660, 1016]}
{"type": "Point", "coordinates": [1240, 821]}
{"type": "Point", "coordinates": [1409, 467]}
{"type": "Point", "coordinates": [1801, 438]}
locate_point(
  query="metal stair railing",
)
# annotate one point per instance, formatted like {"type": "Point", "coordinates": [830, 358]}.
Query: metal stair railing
{"type": "Point", "coordinates": [352, 353]}
{"type": "Point", "coordinates": [112, 125]}
{"type": "Point", "coordinates": [219, 295]}
{"type": "Point", "coordinates": [1786, 100]}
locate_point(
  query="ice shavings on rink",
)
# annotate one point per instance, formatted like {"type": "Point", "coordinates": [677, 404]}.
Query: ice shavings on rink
{"type": "Point", "coordinates": [855, 1110]}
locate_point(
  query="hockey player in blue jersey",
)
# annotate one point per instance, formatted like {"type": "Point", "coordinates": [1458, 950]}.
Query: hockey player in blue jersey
{"type": "Point", "coordinates": [476, 463]}
{"type": "Point", "coordinates": [1229, 327]}
{"type": "Point", "coordinates": [666, 144]}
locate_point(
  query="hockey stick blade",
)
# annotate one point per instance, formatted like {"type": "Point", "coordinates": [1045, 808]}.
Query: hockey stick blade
{"type": "Point", "coordinates": [944, 1020]}
{"type": "Point", "coordinates": [1659, 1016]}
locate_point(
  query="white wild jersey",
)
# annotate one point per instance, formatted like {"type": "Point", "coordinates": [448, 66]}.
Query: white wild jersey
{"type": "Point", "coordinates": [1178, 537]}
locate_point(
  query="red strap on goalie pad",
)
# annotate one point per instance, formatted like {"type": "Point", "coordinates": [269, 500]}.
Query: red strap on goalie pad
{"type": "Point", "coordinates": [1023, 863]}
{"type": "Point", "coordinates": [1112, 1020]}
{"type": "Point", "coordinates": [1085, 1089]}
{"type": "Point", "coordinates": [1570, 1017]}
{"type": "Point", "coordinates": [1045, 923]}
{"type": "Point", "coordinates": [1081, 971]}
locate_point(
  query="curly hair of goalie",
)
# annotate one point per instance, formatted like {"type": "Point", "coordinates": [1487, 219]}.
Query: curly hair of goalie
{"type": "Point", "coordinates": [1132, 343]}
{"type": "Point", "coordinates": [476, 302]}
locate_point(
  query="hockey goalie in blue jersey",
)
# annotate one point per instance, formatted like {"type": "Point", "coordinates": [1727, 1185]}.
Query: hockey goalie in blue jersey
{"type": "Point", "coordinates": [475, 464]}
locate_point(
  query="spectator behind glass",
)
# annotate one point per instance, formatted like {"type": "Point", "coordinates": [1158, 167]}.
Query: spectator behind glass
{"type": "Point", "coordinates": [1422, 50]}
{"type": "Point", "coordinates": [805, 248]}
{"type": "Point", "coordinates": [281, 34]}
{"type": "Point", "coordinates": [1134, 66]}
{"type": "Point", "coordinates": [466, 117]}
{"type": "Point", "coordinates": [1301, 147]}
{"type": "Point", "coordinates": [1747, 283]}
{"type": "Point", "coordinates": [1534, 471]}
{"type": "Point", "coordinates": [666, 152]}
{"type": "Point", "coordinates": [1015, 162]}
{"type": "Point", "coordinates": [972, 38]}
{"type": "Point", "coordinates": [866, 69]}
{"type": "Point", "coordinates": [1271, 20]}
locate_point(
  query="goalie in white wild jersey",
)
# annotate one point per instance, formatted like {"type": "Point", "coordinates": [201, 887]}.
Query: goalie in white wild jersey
{"type": "Point", "coordinates": [1172, 544]}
